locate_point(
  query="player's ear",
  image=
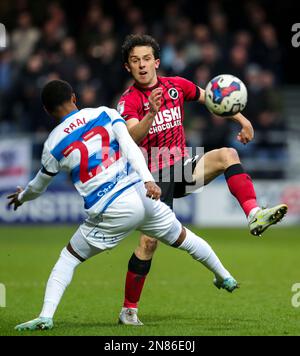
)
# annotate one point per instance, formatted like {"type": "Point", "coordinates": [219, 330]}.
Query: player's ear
{"type": "Point", "coordinates": [73, 98]}
{"type": "Point", "coordinates": [47, 112]}
{"type": "Point", "coordinates": [157, 63]}
{"type": "Point", "coordinates": [127, 67]}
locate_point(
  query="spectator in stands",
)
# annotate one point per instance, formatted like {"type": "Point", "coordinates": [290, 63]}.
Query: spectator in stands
{"type": "Point", "coordinates": [268, 51]}
{"type": "Point", "coordinates": [105, 65]}
{"type": "Point", "coordinates": [49, 44]}
{"type": "Point", "coordinates": [219, 31]}
{"type": "Point", "coordinates": [24, 38]}
{"type": "Point", "coordinates": [210, 56]}
{"type": "Point", "coordinates": [28, 90]}
{"type": "Point", "coordinates": [7, 78]}
{"type": "Point", "coordinates": [83, 78]}
{"type": "Point", "coordinates": [88, 97]}
{"type": "Point", "coordinates": [68, 60]}
{"type": "Point", "coordinates": [270, 145]}
{"type": "Point", "coordinates": [255, 91]}
{"type": "Point", "coordinates": [238, 60]}
{"type": "Point", "coordinates": [244, 39]}
{"type": "Point", "coordinates": [89, 33]}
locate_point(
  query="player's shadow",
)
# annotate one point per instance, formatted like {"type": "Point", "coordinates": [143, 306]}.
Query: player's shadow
{"type": "Point", "coordinates": [78, 325]}
{"type": "Point", "coordinates": [154, 320]}
{"type": "Point", "coordinates": [149, 320]}
{"type": "Point", "coordinates": [220, 323]}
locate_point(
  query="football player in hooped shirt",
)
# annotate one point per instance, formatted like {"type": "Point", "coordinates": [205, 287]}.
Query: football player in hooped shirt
{"type": "Point", "coordinates": [153, 110]}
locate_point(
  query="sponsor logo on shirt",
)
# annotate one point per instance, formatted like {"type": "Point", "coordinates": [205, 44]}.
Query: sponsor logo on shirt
{"type": "Point", "coordinates": [121, 107]}
{"type": "Point", "coordinates": [167, 115]}
{"type": "Point", "coordinates": [166, 119]}
{"type": "Point", "coordinates": [105, 188]}
{"type": "Point", "coordinates": [173, 93]}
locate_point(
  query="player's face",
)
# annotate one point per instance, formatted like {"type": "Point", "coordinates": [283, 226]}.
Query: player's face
{"type": "Point", "coordinates": [142, 65]}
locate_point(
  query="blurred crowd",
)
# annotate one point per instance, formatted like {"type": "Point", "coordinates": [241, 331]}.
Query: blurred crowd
{"type": "Point", "coordinates": [82, 45]}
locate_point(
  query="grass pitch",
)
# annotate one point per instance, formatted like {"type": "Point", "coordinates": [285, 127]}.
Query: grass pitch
{"type": "Point", "coordinates": [179, 297]}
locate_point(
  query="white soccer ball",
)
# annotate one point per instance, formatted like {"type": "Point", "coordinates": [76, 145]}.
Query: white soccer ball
{"type": "Point", "coordinates": [225, 95]}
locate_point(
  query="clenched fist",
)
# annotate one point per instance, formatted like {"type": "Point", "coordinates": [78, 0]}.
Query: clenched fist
{"type": "Point", "coordinates": [153, 190]}
{"type": "Point", "coordinates": [155, 100]}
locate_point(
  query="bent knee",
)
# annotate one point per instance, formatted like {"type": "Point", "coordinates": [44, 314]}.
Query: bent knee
{"type": "Point", "coordinates": [228, 152]}
{"type": "Point", "coordinates": [228, 156]}
{"type": "Point", "coordinates": [181, 238]}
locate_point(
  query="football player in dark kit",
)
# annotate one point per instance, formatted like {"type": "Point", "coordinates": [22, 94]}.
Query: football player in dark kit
{"type": "Point", "coordinates": [153, 110]}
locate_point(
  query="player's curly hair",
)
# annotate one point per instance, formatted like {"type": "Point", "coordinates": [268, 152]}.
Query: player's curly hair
{"type": "Point", "coordinates": [132, 41]}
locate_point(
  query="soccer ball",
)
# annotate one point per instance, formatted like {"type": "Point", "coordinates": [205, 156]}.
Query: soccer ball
{"type": "Point", "coordinates": [225, 95]}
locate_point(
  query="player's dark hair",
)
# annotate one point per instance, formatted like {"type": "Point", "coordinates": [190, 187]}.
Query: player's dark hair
{"type": "Point", "coordinates": [55, 93]}
{"type": "Point", "coordinates": [132, 41]}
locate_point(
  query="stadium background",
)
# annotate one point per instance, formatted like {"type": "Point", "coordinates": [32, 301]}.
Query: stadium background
{"type": "Point", "coordinates": [81, 43]}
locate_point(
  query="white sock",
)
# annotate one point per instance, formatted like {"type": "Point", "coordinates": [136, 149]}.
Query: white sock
{"type": "Point", "coordinates": [202, 252]}
{"type": "Point", "coordinates": [123, 309]}
{"type": "Point", "coordinates": [58, 281]}
{"type": "Point", "coordinates": [253, 212]}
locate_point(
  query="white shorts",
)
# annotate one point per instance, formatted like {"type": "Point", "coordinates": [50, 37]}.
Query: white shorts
{"type": "Point", "coordinates": [132, 210]}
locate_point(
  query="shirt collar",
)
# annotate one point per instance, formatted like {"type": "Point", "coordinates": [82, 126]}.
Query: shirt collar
{"type": "Point", "coordinates": [68, 115]}
{"type": "Point", "coordinates": [148, 88]}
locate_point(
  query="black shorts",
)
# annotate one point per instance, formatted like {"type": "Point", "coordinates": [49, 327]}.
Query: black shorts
{"type": "Point", "coordinates": [173, 182]}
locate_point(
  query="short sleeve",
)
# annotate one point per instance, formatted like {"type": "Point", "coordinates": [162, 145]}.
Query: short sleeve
{"type": "Point", "coordinates": [127, 108]}
{"type": "Point", "coordinates": [115, 116]}
{"type": "Point", "coordinates": [191, 91]}
{"type": "Point", "coordinates": [50, 165]}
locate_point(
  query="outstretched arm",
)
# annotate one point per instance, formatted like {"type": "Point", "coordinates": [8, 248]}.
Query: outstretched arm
{"type": "Point", "coordinates": [34, 189]}
{"type": "Point", "coordinates": [247, 132]}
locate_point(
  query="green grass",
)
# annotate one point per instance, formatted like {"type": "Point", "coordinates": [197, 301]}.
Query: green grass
{"type": "Point", "coordinates": [178, 299]}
